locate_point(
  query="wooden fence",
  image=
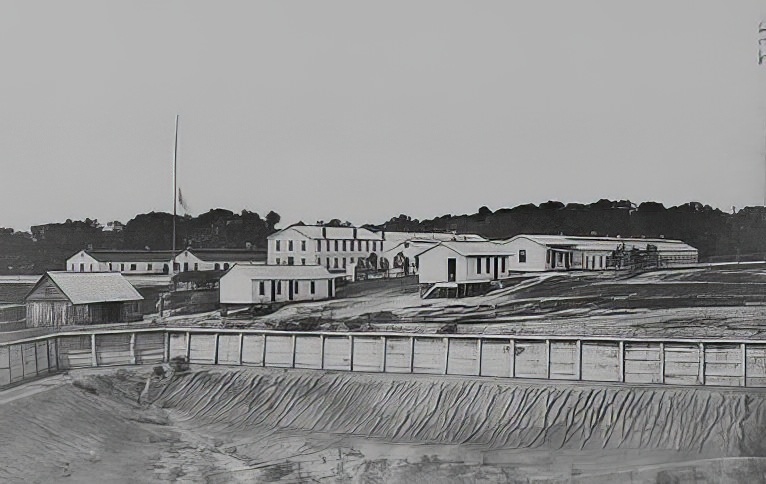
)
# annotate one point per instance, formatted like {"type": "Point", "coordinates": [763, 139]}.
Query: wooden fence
{"type": "Point", "coordinates": [730, 363]}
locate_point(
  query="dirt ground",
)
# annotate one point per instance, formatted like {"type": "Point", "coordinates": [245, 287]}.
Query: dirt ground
{"type": "Point", "coordinates": [262, 425]}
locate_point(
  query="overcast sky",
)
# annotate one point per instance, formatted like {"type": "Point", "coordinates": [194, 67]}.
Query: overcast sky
{"type": "Point", "coordinates": [365, 110]}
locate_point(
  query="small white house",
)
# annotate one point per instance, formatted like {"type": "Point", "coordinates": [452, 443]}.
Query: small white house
{"type": "Point", "coordinates": [401, 249]}
{"type": "Point", "coordinates": [249, 284]}
{"type": "Point", "coordinates": [463, 265]}
{"type": "Point", "coordinates": [337, 249]}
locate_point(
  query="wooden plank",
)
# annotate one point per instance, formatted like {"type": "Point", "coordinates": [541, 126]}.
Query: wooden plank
{"type": "Point", "coordinates": [398, 351]}
{"type": "Point", "coordinates": [202, 348]}
{"type": "Point", "coordinates": [337, 352]}
{"type": "Point", "coordinates": [497, 358]}
{"type": "Point", "coordinates": [563, 360]}
{"type": "Point", "coordinates": [279, 351]}
{"type": "Point", "coordinates": [368, 353]}
{"type": "Point", "coordinates": [41, 352]}
{"type": "Point", "coordinates": [463, 356]}
{"type": "Point", "coordinates": [682, 364]}
{"type": "Point", "coordinates": [429, 356]}
{"type": "Point", "coordinates": [228, 349]}
{"type": "Point", "coordinates": [252, 349]}
{"type": "Point", "coordinates": [112, 349]}
{"type": "Point", "coordinates": [150, 347]}
{"type": "Point", "coordinates": [600, 361]}
{"type": "Point", "coordinates": [308, 352]}
{"type": "Point", "coordinates": [177, 344]}
{"type": "Point", "coordinates": [29, 360]}
{"type": "Point", "coordinates": [531, 359]}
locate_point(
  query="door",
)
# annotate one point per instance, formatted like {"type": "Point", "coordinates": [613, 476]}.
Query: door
{"type": "Point", "coordinates": [451, 269]}
{"type": "Point", "coordinates": [497, 264]}
{"type": "Point", "coordinates": [290, 289]}
{"type": "Point", "coordinates": [329, 287]}
{"type": "Point", "coordinates": [273, 291]}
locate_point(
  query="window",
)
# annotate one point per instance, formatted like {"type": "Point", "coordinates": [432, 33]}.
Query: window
{"type": "Point", "coordinates": [374, 246]}
{"type": "Point", "coordinates": [296, 287]}
{"type": "Point", "coordinates": [122, 267]}
{"type": "Point", "coordinates": [359, 246]}
{"type": "Point", "coordinates": [289, 245]}
{"type": "Point", "coordinates": [148, 267]}
{"type": "Point", "coordinates": [352, 260]}
{"type": "Point", "coordinates": [277, 245]}
{"type": "Point", "coordinates": [344, 262]}
{"type": "Point", "coordinates": [601, 261]}
{"type": "Point", "coordinates": [226, 266]}
{"type": "Point", "coordinates": [328, 262]}
{"type": "Point", "coordinates": [303, 261]}
{"type": "Point", "coordinates": [91, 267]}
{"type": "Point", "coordinates": [336, 246]}
{"type": "Point", "coordinates": [313, 287]}
{"type": "Point", "coordinates": [522, 256]}
{"type": "Point", "coordinates": [74, 270]}
{"type": "Point", "coordinates": [196, 266]}
{"type": "Point", "coordinates": [279, 261]}
{"type": "Point", "coordinates": [547, 256]}
{"type": "Point", "coordinates": [344, 246]}
{"type": "Point", "coordinates": [303, 246]}
{"type": "Point", "coordinates": [110, 266]}
{"type": "Point", "coordinates": [478, 265]}
{"type": "Point", "coordinates": [217, 266]}
{"type": "Point", "coordinates": [132, 267]}
{"type": "Point", "coordinates": [279, 287]}
{"type": "Point", "coordinates": [502, 264]}
{"type": "Point", "coordinates": [186, 266]}
{"type": "Point", "coordinates": [261, 288]}
{"type": "Point", "coordinates": [290, 260]}
{"type": "Point", "coordinates": [319, 246]}
{"type": "Point", "coordinates": [488, 262]}
{"type": "Point", "coordinates": [367, 245]}
{"type": "Point", "coordinates": [328, 246]}
{"type": "Point", "coordinates": [336, 263]}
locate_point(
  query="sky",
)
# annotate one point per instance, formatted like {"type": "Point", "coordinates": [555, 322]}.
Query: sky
{"type": "Point", "coordinates": [362, 110]}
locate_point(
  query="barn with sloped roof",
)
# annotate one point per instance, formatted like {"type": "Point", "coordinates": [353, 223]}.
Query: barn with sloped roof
{"type": "Point", "coordinates": [80, 298]}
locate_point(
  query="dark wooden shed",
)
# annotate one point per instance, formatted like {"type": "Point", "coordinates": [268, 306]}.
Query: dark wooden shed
{"type": "Point", "coordinates": [77, 298]}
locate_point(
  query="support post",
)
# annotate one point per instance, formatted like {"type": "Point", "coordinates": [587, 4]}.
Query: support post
{"type": "Point", "coordinates": [167, 347]}
{"type": "Point", "coordinates": [480, 351]}
{"type": "Point", "coordinates": [743, 349]}
{"type": "Point", "coordinates": [350, 352]}
{"type": "Point", "coordinates": [513, 358]}
{"type": "Point", "coordinates": [662, 363]}
{"type": "Point", "coordinates": [241, 342]}
{"type": "Point", "coordinates": [701, 377]}
{"type": "Point", "coordinates": [37, 370]}
{"type": "Point", "coordinates": [548, 359]}
{"type": "Point", "coordinates": [412, 354]}
{"type": "Point", "coordinates": [621, 349]}
{"type": "Point", "coordinates": [292, 349]}
{"type": "Point", "coordinates": [578, 360]}
{"type": "Point", "coordinates": [215, 355]}
{"type": "Point", "coordinates": [55, 351]}
{"type": "Point", "coordinates": [263, 351]}
{"type": "Point", "coordinates": [132, 348]}
{"type": "Point", "coordinates": [187, 351]}
{"type": "Point", "coordinates": [383, 357]}
{"type": "Point", "coordinates": [93, 355]}
{"type": "Point", "coordinates": [321, 351]}
{"type": "Point", "coordinates": [446, 355]}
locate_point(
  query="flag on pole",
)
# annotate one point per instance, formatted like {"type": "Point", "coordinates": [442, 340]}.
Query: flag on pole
{"type": "Point", "coordinates": [181, 201]}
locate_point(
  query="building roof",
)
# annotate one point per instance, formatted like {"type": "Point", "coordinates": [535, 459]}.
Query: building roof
{"type": "Point", "coordinates": [474, 248]}
{"type": "Point", "coordinates": [430, 236]}
{"type": "Point", "coordinates": [130, 255]}
{"type": "Point", "coordinates": [93, 287]}
{"type": "Point", "coordinates": [318, 232]}
{"type": "Point", "coordinates": [229, 255]}
{"type": "Point", "coordinates": [281, 272]}
{"type": "Point", "coordinates": [605, 243]}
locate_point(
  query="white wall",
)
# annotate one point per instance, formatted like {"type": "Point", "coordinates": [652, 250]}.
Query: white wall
{"type": "Point", "coordinates": [315, 255]}
{"type": "Point", "coordinates": [89, 264]}
{"type": "Point", "coordinates": [535, 255]}
{"type": "Point", "coordinates": [239, 287]}
{"type": "Point", "coordinates": [433, 266]}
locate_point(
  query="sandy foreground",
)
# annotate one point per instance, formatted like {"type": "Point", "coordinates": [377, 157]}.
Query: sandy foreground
{"type": "Point", "coordinates": [265, 425]}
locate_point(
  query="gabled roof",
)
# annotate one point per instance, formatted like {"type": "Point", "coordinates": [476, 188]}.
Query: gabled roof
{"type": "Point", "coordinates": [130, 255]}
{"type": "Point", "coordinates": [92, 287]}
{"type": "Point", "coordinates": [229, 255]}
{"type": "Point", "coordinates": [474, 248]}
{"type": "Point", "coordinates": [432, 236]}
{"type": "Point", "coordinates": [605, 243]}
{"type": "Point", "coordinates": [340, 233]}
{"type": "Point", "coordinates": [281, 272]}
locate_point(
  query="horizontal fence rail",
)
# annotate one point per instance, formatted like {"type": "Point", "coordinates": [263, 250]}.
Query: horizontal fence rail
{"type": "Point", "coordinates": [692, 362]}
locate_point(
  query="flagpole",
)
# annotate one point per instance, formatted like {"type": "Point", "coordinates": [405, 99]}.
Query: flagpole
{"type": "Point", "coordinates": [175, 190]}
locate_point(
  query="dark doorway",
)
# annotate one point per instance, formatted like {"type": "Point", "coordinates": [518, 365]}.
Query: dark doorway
{"type": "Point", "coordinates": [290, 290]}
{"type": "Point", "coordinates": [273, 291]}
{"type": "Point", "coordinates": [553, 260]}
{"type": "Point", "coordinates": [329, 288]}
{"type": "Point", "coordinates": [186, 267]}
{"type": "Point", "coordinates": [567, 260]}
{"type": "Point", "coordinates": [165, 269]}
{"type": "Point", "coordinates": [451, 269]}
{"type": "Point", "coordinates": [497, 268]}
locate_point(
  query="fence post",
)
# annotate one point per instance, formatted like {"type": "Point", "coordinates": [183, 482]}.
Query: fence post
{"type": "Point", "coordinates": [56, 351]}
{"type": "Point", "coordinates": [93, 355]}
{"type": "Point", "coordinates": [292, 350]}
{"type": "Point", "coordinates": [578, 359]}
{"type": "Point", "coordinates": [385, 348]}
{"type": "Point", "coordinates": [412, 354]}
{"type": "Point", "coordinates": [263, 351]}
{"type": "Point", "coordinates": [480, 351]}
{"type": "Point", "coordinates": [167, 346]}
{"type": "Point", "coordinates": [621, 349]}
{"type": "Point", "coordinates": [351, 352]}
{"type": "Point", "coordinates": [321, 351]}
{"type": "Point", "coordinates": [188, 346]}
{"type": "Point", "coordinates": [241, 342]}
{"type": "Point", "coordinates": [215, 355]}
{"type": "Point", "coordinates": [662, 363]}
{"type": "Point", "coordinates": [446, 355]}
{"type": "Point", "coordinates": [743, 348]}
{"type": "Point", "coordinates": [513, 358]}
{"type": "Point", "coordinates": [547, 359]}
{"type": "Point", "coordinates": [701, 377]}
{"type": "Point", "coordinates": [132, 348]}
{"type": "Point", "coordinates": [37, 370]}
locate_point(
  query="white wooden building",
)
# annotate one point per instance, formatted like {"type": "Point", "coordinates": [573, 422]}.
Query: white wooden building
{"type": "Point", "coordinates": [248, 284]}
{"type": "Point", "coordinates": [401, 249]}
{"type": "Point", "coordinates": [160, 261]}
{"type": "Point", "coordinates": [538, 253]}
{"type": "Point", "coordinates": [337, 249]}
{"type": "Point", "coordinates": [463, 264]}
